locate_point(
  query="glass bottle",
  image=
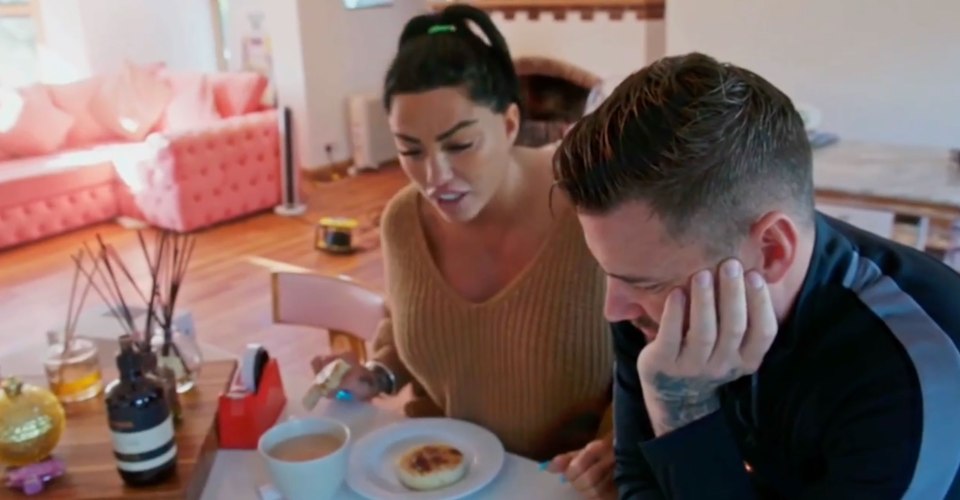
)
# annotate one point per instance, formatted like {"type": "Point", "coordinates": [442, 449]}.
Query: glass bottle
{"type": "Point", "coordinates": [141, 424]}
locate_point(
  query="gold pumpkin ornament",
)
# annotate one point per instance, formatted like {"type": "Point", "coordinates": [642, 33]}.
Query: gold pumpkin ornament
{"type": "Point", "coordinates": [31, 423]}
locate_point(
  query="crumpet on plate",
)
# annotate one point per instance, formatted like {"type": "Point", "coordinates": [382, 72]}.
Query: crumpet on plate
{"type": "Point", "coordinates": [431, 467]}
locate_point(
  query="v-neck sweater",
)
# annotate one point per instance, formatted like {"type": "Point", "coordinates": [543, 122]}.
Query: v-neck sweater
{"type": "Point", "coordinates": [533, 364]}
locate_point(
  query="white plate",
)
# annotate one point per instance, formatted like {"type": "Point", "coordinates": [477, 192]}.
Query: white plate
{"type": "Point", "coordinates": [371, 473]}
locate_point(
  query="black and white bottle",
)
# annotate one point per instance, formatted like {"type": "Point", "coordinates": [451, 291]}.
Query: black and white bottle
{"type": "Point", "coordinates": [141, 423]}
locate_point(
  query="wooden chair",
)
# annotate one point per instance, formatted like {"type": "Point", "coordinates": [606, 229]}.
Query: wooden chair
{"type": "Point", "coordinates": [349, 311]}
{"type": "Point", "coordinates": [882, 222]}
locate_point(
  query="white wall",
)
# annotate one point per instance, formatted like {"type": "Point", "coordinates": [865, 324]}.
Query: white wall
{"type": "Point", "coordinates": [243, 18]}
{"type": "Point", "coordinates": [323, 53]}
{"type": "Point", "coordinates": [97, 36]}
{"type": "Point", "coordinates": [177, 32]}
{"type": "Point", "coordinates": [611, 49]}
{"type": "Point", "coordinates": [283, 24]}
{"type": "Point", "coordinates": [879, 70]}
{"type": "Point", "coordinates": [64, 56]}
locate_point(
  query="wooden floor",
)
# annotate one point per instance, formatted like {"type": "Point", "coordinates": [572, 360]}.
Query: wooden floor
{"type": "Point", "coordinates": [227, 286]}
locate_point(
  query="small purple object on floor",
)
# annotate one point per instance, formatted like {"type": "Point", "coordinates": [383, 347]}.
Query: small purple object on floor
{"type": "Point", "coordinates": [343, 395]}
{"type": "Point", "coordinates": [32, 478]}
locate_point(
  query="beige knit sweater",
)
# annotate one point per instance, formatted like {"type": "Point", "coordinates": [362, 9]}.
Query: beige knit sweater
{"type": "Point", "coordinates": [533, 364]}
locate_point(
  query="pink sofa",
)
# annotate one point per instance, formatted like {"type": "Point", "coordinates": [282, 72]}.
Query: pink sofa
{"type": "Point", "coordinates": [200, 150]}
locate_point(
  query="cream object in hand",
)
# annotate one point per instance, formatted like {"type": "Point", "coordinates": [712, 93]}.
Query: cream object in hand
{"type": "Point", "coordinates": [431, 467]}
{"type": "Point", "coordinates": [326, 381]}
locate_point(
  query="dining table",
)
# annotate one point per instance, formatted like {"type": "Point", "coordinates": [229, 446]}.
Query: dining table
{"type": "Point", "coordinates": [240, 474]}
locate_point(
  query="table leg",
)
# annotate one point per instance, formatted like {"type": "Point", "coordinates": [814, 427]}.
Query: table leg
{"type": "Point", "coordinates": [952, 255]}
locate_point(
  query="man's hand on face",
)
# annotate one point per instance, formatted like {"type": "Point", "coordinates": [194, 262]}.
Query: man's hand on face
{"type": "Point", "coordinates": [727, 338]}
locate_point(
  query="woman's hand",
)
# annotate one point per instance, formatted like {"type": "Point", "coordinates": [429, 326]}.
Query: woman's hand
{"type": "Point", "coordinates": [358, 384]}
{"type": "Point", "coordinates": [589, 470]}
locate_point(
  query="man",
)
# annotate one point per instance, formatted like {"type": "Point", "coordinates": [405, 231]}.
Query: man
{"type": "Point", "coordinates": [764, 350]}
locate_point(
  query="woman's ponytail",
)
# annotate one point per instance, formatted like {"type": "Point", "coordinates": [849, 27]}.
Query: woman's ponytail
{"type": "Point", "coordinates": [459, 14]}
{"type": "Point", "coordinates": [442, 49]}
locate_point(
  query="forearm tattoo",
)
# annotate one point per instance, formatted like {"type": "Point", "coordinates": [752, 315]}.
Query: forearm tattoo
{"type": "Point", "coordinates": [683, 401]}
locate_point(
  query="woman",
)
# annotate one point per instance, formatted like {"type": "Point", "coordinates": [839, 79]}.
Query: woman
{"type": "Point", "coordinates": [497, 304]}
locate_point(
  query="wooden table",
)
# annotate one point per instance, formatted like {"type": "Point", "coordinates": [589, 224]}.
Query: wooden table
{"type": "Point", "coordinates": [922, 182]}
{"type": "Point", "coordinates": [85, 445]}
{"type": "Point", "coordinates": [87, 450]}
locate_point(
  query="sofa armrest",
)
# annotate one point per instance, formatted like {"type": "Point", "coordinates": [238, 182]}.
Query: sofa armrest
{"type": "Point", "coordinates": [203, 176]}
{"type": "Point", "coordinates": [210, 151]}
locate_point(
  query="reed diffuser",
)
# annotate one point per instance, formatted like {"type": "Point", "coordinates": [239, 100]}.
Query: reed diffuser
{"type": "Point", "coordinates": [167, 263]}
{"type": "Point", "coordinates": [168, 268]}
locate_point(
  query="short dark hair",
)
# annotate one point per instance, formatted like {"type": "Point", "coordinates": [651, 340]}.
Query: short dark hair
{"type": "Point", "coordinates": [441, 50]}
{"type": "Point", "coordinates": [705, 144]}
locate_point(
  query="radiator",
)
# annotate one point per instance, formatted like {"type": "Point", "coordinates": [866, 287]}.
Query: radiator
{"type": "Point", "coordinates": [369, 132]}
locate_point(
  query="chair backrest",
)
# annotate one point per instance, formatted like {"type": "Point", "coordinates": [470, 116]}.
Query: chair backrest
{"type": "Point", "coordinates": [328, 302]}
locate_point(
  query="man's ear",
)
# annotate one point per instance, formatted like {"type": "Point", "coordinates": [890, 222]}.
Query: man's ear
{"type": "Point", "coordinates": [777, 237]}
{"type": "Point", "coordinates": [511, 120]}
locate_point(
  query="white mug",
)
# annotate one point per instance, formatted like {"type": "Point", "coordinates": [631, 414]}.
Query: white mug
{"type": "Point", "coordinates": [317, 479]}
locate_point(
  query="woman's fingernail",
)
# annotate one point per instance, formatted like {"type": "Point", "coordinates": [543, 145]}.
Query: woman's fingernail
{"type": "Point", "coordinates": [703, 279]}
{"type": "Point", "coordinates": [732, 268]}
{"type": "Point", "coordinates": [343, 395]}
{"type": "Point", "coordinates": [755, 280]}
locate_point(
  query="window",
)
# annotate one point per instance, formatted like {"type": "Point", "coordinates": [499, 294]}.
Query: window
{"type": "Point", "coordinates": [19, 42]}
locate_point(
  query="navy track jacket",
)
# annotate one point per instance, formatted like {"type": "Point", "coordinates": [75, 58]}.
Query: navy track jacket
{"type": "Point", "coordinates": [858, 397]}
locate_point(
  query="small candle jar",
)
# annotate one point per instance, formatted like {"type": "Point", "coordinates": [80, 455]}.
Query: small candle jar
{"type": "Point", "coordinates": [73, 371]}
{"type": "Point", "coordinates": [335, 234]}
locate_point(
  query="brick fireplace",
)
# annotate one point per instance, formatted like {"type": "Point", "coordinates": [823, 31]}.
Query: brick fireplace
{"type": "Point", "coordinates": [555, 94]}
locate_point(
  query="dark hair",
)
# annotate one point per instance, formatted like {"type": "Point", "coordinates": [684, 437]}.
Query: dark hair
{"type": "Point", "coordinates": [441, 50]}
{"type": "Point", "coordinates": [705, 144]}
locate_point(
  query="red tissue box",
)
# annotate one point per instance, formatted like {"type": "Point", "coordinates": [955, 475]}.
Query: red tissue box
{"type": "Point", "coordinates": [242, 420]}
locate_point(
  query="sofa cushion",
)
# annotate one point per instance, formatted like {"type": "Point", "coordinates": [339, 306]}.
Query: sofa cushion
{"type": "Point", "coordinates": [131, 102]}
{"type": "Point", "coordinates": [238, 93]}
{"type": "Point", "coordinates": [113, 154]}
{"type": "Point", "coordinates": [38, 178]}
{"type": "Point", "coordinates": [192, 104]}
{"type": "Point", "coordinates": [53, 199]}
{"type": "Point", "coordinates": [75, 98]}
{"type": "Point", "coordinates": [29, 122]}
